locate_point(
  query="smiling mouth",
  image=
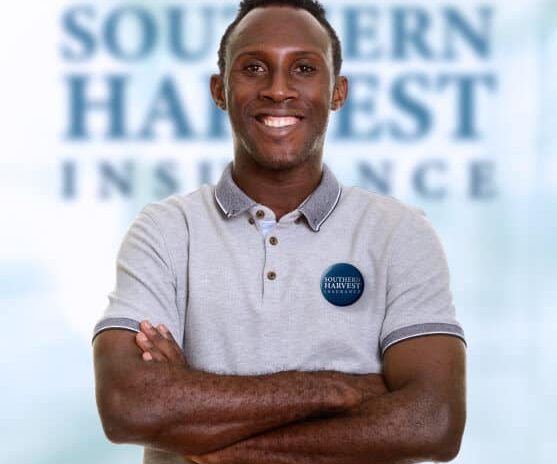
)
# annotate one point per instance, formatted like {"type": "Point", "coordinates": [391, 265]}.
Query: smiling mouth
{"type": "Point", "coordinates": [278, 122]}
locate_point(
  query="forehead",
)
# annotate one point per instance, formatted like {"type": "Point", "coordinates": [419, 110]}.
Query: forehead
{"type": "Point", "coordinates": [279, 28]}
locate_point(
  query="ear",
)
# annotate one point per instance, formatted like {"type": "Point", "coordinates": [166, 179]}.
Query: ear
{"type": "Point", "coordinates": [340, 93]}
{"type": "Point", "coordinates": [217, 91]}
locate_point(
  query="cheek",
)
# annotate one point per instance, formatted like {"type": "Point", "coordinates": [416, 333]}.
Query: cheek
{"type": "Point", "coordinates": [319, 99]}
{"type": "Point", "coordinates": [237, 107]}
{"type": "Point", "coordinates": [320, 110]}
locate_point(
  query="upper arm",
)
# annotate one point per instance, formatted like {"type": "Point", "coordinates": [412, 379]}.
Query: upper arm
{"type": "Point", "coordinates": [149, 283]}
{"type": "Point", "coordinates": [114, 352]}
{"type": "Point", "coordinates": [418, 299]}
{"type": "Point", "coordinates": [117, 359]}
{"type": "Point", "coordinates": [421, 339]}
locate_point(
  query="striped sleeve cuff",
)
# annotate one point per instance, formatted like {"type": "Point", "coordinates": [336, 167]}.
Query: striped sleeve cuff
{"type": "Point", "coordinates": [419, 330]}
{"type": "Point", "coordinates": [116, 323]}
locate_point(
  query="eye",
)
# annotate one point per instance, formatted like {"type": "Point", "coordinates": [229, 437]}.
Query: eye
{"type": "Point", "coordinates": [254, 69]}
{"type": "Point", "coordinates": [305, 69]}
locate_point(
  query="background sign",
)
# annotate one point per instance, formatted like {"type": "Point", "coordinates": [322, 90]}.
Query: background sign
{"type": "Point", "coordinates": [105, 107]}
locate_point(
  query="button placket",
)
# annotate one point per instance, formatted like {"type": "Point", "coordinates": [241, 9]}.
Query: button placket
{"type": "Point", "coordinates": [272, 273]}
{"type": "Point", "coordinates": [270, 250]}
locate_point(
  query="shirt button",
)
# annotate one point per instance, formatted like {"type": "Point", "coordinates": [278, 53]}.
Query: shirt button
{"type": "Point", "coordinates": [260, 214]}
{"type": "Point", "coordinates": [251, 220]}
{"type": "Point", "coordinates": [273, 240]}
{"type": "Point", "coordinates": [271, 275]}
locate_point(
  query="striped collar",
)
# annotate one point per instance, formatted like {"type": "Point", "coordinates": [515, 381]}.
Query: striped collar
{"type": "Point", "coordinates": [316, 208]}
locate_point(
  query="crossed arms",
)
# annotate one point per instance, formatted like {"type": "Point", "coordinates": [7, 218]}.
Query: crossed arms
{"type": "Point", "coordinates": [147, 394]}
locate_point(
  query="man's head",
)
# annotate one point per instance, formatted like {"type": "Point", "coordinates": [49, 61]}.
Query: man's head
{"type": "Point", "coordinates": [313, 7]}
{"type": "Point", "coordinates": [278, 84]}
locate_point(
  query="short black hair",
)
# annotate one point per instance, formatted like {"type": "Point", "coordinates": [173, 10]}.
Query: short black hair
{"type": "Point", "coordinates": [314, 7]}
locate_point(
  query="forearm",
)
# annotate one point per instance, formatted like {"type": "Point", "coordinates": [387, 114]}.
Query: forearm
{"type": "Point", "coordinates": [190, 412]}
{"type": "Point", "coordinates": [392, 428]}
{"type": "Point", "coordinates": [421, 418]}
{"type": "Point", "coordinates": [200, 411]}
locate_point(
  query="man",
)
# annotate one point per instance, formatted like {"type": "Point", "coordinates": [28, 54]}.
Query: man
{"type": "Point", "coordinates": [279, 317]}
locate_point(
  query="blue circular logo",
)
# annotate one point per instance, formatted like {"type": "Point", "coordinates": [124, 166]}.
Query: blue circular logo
{"type": "Point", "coordinates": [342, 284]}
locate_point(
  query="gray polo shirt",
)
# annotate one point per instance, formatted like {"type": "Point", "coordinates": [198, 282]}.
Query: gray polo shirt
{"type": "Point", "coordinates": [243, 303]}
{"type": "Point", "coordinates": [333, 285]}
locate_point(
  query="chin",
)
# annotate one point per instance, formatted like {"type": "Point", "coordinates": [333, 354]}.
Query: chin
{"type": "Point", "coordinates": [275, 156]}
{"type": "Point", "coordinates": [281, 161]}
{"type": "Point", "coordinates": [281, 158]}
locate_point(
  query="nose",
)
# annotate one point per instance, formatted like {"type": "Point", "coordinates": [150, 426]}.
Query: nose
{"type": "Point", "coordinates": [278, 87]}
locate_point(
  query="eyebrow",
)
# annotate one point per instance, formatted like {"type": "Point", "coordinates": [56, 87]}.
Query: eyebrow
{"type": "Point", "coordinates": [262, 52]}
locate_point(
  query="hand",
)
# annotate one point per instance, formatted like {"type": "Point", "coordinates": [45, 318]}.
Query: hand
{"type": "Point", "coordinates": [226, 455]}
{"type": "Point", "coordinates": [371, 385]}
{"type": "Point", "coordinates": [159, 345]}
{"type": "Point", "coordinates": [197, 459]}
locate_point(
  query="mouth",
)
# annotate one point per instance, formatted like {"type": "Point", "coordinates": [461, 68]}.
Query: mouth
{"type": "Point", "coordinates": [278, 122]}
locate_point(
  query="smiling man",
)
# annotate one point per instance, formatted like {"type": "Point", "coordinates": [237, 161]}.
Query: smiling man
{"type": "Point", "coordinates": [278, 316]}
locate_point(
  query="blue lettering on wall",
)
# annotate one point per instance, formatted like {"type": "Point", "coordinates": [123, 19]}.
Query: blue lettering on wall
{"type": "Point", "coordinates": [399, 107]}
{"type": "Point", "coordinates": [166, 107]}
{"type": "Point", "coordinates": [114, 33]}
{"type": "Point", "coordinates": [76, 24]}
{"type": "Point", "coordinates": [179, 46]}
{"type": "Point", "coordinates": [458, 26]}
{"type": "Point", "coordinates": [69, 178]}
{"type": "Point", "coordinates": [113, 106]}
{"type": "Point", "coordinates": [116, 180]}
{"type": "Point", "coordinates": [467, 88]}
{"type": "Point", "coordinates": [166, 182]}
{"type": "Point", "coordinates": [361, 108]}
{"type": "Point", "coordinates": [411, 27]}
{"type": "Point", "coordinates": [360, 37]}
{"type": "Point", "coordinates": [423, 174]}
{"type": "Point", "coordinates": [410, 104]}
{"type": "Point", "coordinates": [371, 179]}
{"type": "Point", "coordinates": [482, 180]}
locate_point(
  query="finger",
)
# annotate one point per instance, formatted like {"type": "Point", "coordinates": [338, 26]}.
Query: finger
{"type": "Point", "coordinates": [151, 332]}
{"type": "Point", "coordinates": [168, 335]}
{"type": "Point", "coordinates": [167, 347]}
{"type": "Point", "coordinates": [205, 459]}
{"type": "Point", "coordinates": [179, 352]}
{"type": "Point", "coordinates": [150, 351]}
{"type": "Point", "coordinates": [165, 332]}
{"type": "Point", "coordinates": [143, 342]}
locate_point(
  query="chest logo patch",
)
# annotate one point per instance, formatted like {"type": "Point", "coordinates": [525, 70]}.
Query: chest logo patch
{"type": "Point", "coordinates": [342, 284]}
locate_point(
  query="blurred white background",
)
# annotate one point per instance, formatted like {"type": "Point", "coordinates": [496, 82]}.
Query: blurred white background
{"type": "Point", "coordinates": [452, 110]}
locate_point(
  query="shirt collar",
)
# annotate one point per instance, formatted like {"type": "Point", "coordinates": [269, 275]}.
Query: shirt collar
{"type": "Point", "coordinates": [316, 208]}
{"type": "Point", "coordinates": [230, 198]}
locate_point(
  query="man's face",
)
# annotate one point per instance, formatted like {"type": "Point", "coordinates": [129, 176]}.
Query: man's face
{"type": "Point", "coordinates": [279, 87]}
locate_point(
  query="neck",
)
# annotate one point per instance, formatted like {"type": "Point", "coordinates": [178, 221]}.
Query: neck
{"type": "Point", "coordinates": [280, 190]}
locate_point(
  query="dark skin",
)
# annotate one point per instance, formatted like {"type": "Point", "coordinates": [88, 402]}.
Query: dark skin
{"type": "Point", "coordinates": [279, 63]}
{"type": "Point", "coordinates": [279, 89]}
{"type": "Point", "coordinates": [170, 406]}
{"type": "Point", "coordinates": [418, 415]}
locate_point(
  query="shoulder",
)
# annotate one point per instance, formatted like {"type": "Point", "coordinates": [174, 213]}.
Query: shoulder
{"type": "Point", "coordinates": [392, 226]}
{"type": "Point", "coordinates": [172, 214]}
{"type": "Point", "coordinates": [382, 210]}
{"type": "Point", "coordinates": [165, 225]}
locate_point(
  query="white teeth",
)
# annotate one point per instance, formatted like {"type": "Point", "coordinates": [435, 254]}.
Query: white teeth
{"type": "Point", "coordinates": [275, 121]}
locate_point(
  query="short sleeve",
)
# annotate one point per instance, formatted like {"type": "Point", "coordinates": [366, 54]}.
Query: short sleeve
{"type": "Point", "coordinates": [146, 284]}
{"type": "Point", "coordinates": [419, 300]}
